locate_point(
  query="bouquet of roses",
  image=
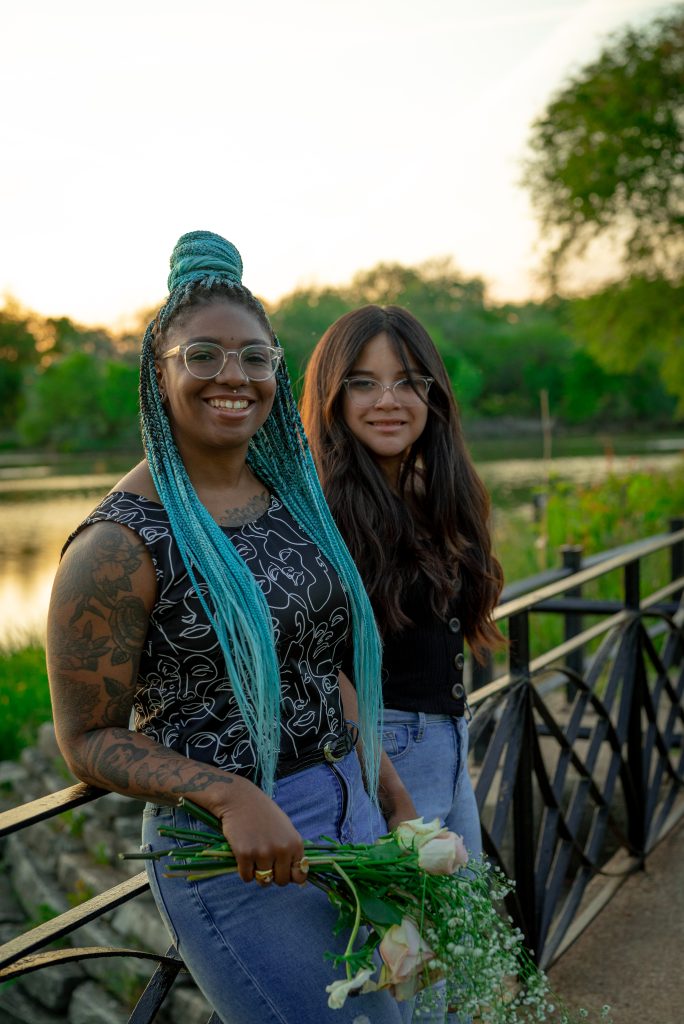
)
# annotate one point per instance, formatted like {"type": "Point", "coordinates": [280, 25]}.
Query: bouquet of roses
{"type": "Point", "coordinates": [415, 914]}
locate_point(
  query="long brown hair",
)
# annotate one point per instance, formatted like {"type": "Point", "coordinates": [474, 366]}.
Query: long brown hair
{"type": "Point", "coordinates": [437, 523]}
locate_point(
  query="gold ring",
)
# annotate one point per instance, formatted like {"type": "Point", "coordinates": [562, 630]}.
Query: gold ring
{"type": "Point", "coordinates": [264, 877]}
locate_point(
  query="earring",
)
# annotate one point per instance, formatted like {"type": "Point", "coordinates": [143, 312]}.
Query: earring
{"type": "Point", "coordinates": [162, 394]}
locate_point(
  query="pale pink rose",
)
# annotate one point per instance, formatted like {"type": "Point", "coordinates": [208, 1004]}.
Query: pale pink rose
{"type": "Point", "coordinates": [443, 855]}
{"type": "Point", "coordinates": [415, 833]}
{"type": "Point", "coordinates": [404, 953]}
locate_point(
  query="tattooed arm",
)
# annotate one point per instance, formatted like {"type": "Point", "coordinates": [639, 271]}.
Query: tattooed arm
{"type": "Point", "coordinates": [101, 601]}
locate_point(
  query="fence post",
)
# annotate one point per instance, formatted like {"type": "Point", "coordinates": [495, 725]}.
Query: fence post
{"type": "Point", "coordinates": [636, 815]}
{"type": "Point", "coordinates": [677, 555]}
{"type": "Point", "coordinates": [572, 621]}
{"type": "Point", "coordinates": [632, 579]}
{"type": "Point", "coordinates": [524, 846]}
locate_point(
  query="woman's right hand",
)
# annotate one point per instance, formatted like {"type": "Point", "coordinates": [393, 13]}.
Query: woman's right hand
{"type": "Point", "coordinates": [261, 836]}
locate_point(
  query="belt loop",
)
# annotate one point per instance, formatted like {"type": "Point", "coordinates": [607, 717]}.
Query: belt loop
{"type": "Point", "coordinates": [422, 725]}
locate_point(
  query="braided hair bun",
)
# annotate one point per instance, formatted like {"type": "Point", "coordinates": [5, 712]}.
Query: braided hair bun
{"type": "Point", "coordinates": [203, 255]}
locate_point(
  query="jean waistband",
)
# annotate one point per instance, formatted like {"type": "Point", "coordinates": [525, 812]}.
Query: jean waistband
{"type": "Point", "coordinates": [395, 715]}
{"type": "Point", "coordinates": [332, 751]}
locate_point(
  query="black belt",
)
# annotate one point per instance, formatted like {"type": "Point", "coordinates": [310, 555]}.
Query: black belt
{"type": "Point", "coordinates": [332, 751]}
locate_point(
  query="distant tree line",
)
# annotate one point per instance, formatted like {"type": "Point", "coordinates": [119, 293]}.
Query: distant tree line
{"type": "Point", "coordinates": [71, 388]}
{"type": "Point", "coordinates": [606, 164]}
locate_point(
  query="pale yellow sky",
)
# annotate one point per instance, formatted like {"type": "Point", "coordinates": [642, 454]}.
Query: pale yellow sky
{"type": "Point", "coordinates": [320, 137]}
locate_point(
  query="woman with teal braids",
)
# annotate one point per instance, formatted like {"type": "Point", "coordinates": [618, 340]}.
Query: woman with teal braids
{"type": "Point", "coordinates": [199, 618]}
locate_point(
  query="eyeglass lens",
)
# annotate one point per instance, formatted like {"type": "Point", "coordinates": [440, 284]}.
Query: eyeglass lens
{"type": "Point", "coordinates": [364, 391]}
{"type": "Point", "coordinates": [257, 362]}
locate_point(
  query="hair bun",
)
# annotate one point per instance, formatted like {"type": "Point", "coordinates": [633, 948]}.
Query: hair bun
{"type": "Point", "coordinates": [200, 254]}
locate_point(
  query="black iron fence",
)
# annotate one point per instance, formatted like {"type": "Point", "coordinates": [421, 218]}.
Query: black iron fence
{"type": "Point", "coordinates": [577, 751]}
{"type": "Point", "coordinates": [579, 748]}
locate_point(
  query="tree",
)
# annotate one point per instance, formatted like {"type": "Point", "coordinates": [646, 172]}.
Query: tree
{"type": "Point", "coordinates": [80, 403]}
{"type": "Point", "coordinates": [608, 164]}
{"type": "Point", "coordinates": [17, 353]}
{"type": "Point", "coordinates": [608, 153]}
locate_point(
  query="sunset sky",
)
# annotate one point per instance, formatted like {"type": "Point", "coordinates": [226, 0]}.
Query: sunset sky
{"type": "Point", "coordinates": [321, 137]}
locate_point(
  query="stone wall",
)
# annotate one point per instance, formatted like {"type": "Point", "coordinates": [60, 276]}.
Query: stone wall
{"type": "Point", "coordinates": [56, 864]}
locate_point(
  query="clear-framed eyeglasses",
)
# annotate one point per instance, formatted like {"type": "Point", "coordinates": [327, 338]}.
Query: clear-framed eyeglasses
{"type": "Point", "coordinates": [205, 359]}
{"type": "Point", "coordinates": [365, 391]}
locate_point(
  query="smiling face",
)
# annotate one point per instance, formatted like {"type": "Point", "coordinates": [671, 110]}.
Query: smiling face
{"type": "Point", "coordinates": [388, 428]}
{"type": "Point", "coordinates": [226, 411]}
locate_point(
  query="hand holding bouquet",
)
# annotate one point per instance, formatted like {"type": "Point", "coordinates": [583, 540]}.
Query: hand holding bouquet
{"type": "Point", "coordinates": [415, 913]}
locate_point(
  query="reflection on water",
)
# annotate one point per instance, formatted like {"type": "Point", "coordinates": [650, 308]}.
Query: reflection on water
{"type": "Point", "coordinates": [37, 514]}
{"type": "Point", "coordinates": [32, 534]}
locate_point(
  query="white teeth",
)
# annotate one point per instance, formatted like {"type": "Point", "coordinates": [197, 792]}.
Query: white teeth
{"type": "Point", "coordinates": [228, 403]}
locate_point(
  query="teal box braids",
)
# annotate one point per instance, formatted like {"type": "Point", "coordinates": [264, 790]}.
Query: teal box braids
{"type": "Point", "coordinates": [202, 264]}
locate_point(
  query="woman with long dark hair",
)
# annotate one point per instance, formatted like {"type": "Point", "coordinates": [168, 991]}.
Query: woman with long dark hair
{"type": "Point", "coordinates": [386, 437]}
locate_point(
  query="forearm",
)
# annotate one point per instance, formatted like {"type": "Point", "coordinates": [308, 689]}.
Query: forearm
{"type": "Point", "coordinates": [131, 763]}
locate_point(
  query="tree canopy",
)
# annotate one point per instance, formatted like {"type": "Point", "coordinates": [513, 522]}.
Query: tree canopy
{"type": "Point", "coordinates": [607, 154]}
{"type": "Point", "coordinates": [607, 164]}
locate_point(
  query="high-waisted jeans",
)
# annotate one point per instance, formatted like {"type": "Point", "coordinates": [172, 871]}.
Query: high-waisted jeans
{"type": "Point", "coordinates": [430, 753]}
{"type": "Point", "coordinates": [257, 953]}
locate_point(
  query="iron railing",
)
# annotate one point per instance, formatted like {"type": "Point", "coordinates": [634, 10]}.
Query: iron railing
{"type": "Point", "coordinates": [578, 758]}
{"type": "Point", "coordinates": [580, 752]}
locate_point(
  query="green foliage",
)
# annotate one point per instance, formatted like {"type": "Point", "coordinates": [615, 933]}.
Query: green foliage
{"type": "Point", "coordinates": [17, 352]}
{"type": "Point", "coordinates": [81, 893]}
{"type": "Point", "coordinates": [636, 326]}
{"type": "Point", "coordinates": [81, 402]}
{"type": "Point", "coordinates": [615, 512]}
{"type": "Point", "coordinates": [24, 697]}
{"type": "Point", "coordinates": [608, 163]}
{"type": "Point", "coordinates": [300, 319]}
{"type": "Point", "coordinates": [608, 152]}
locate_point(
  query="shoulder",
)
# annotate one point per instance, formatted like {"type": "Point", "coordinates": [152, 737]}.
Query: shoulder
{"type": "Point", "coordinates": [138, 481]}
{"type": "Point", "coordinates": [111, 558]}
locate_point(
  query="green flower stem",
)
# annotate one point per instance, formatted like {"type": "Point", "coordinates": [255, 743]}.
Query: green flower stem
{"type": "Point", "coordinates": [199, 812]}
{"type": "Point", "coordinates": [357, 917]}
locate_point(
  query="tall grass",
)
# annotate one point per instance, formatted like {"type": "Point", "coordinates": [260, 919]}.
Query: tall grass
{"type": "Point", "coordinates": [595, 517]}
{"type": "Point", "coordinates": [24, 695]}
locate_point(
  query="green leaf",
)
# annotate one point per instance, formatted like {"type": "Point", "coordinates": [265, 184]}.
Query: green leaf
{"type": "Point", "coordinates": [376, 910]}
{"type": "Point", "coordinates": [386, 851]}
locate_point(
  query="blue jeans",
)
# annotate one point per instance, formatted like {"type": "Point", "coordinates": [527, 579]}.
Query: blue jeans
{"type": "Point", "coordinates": [257, 953]}
{"type": "Point", "coordinates": [430, 753]}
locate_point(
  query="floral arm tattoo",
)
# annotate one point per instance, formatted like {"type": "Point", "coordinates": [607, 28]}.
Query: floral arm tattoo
{"type": "Point", "coordinates": [101, 601]}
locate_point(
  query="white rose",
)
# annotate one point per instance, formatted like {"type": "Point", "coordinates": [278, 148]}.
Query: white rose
{"type": "Point", "coordinates": [415, 833]}
{"type": "Point", "coordinates": [443, 855]}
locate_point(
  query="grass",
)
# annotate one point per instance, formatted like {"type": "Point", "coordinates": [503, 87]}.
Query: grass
{"type": "Point", "coordinates": [24, 696]}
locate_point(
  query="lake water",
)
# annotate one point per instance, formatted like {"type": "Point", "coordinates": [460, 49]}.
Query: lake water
{"type": "Point", "coordinates": [41, 504]}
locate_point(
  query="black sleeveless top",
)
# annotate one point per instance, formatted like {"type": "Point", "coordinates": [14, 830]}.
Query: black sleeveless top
{"type": "Point", "coordinates": [184, 698]}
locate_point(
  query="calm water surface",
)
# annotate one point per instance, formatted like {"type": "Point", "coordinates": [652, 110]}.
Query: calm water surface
{"type": "Point", "coordinates": [41, 504]}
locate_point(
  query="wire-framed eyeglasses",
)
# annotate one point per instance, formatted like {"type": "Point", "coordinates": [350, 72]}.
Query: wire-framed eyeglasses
{"type": "Point", "coordinates": [365, 391]}
{"type": "Point", "coordinates": [205, 359]}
